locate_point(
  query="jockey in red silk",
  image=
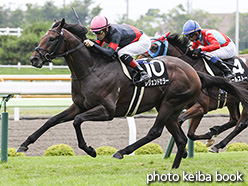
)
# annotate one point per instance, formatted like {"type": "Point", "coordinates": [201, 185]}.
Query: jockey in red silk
{"type": "Point", "coordinates": [214, 43]}
{"type": "Point", "coordinates": [126, 40]}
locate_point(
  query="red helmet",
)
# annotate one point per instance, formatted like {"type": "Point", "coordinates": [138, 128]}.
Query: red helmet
{"type": "Point", "coordinates": [99, 23]}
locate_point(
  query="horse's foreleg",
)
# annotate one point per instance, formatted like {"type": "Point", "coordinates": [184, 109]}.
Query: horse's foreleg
{"type": "Point", "coordinates": [223, 143]}
{"type": "Point", "coordinates": [64, 116]}
{"type": "Point", "coordinates": [216, 130]}
{"type": "Point", "coordinates": [98, 113]}
{"type": "Point", "coordinates": [242, 124]}
{"type": "Point", "coordinates": [234, 117]}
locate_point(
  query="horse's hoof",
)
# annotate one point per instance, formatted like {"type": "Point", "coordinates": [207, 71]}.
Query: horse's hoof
{"type": "Point", "coordinates": [92, 152]}
{"type": "Point", "coordinates": [210, 142]}
{"type": "Point", "coordinates": [117, 155]}
{"type": "Point", "coordinates": [22, 149]}
{"type": "Point", "coordinates": [213, 150]}
{"type": "Point", "coordinates": [185, 154]}
{"type": "Point", "coordinates": [175, 166]}
{"type": "Point", "coordinates": [214, 130]}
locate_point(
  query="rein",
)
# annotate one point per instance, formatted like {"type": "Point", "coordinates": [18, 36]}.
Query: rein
{"type": "Point", "coordinates": [184, 54]}
{"type": "Point", "coordinates": [50, 55]}
{"type": "Point", "coordinates": [53, 53]}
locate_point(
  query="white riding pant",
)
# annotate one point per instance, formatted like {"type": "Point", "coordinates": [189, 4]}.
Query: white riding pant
{"type": "Point", "coordinates": [225, 52]}
{"type": "Point", "coordinates": [136, 48]}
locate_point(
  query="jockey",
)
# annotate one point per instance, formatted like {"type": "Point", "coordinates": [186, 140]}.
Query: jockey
{"type": "Point", "coordinates": [126, 40]}
{"type": "Point", "coordinates": [215, 44]}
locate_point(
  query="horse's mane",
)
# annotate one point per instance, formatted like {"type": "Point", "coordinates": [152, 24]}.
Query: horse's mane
{"type": "Point", "coordinates": [180, 42]}
{"type": "Point", "coordinates": [75, 28]}
{"type": "Point", "coordinates": [80, 32]}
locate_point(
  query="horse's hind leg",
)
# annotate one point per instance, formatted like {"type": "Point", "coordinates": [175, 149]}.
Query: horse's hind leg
{"type": "Point", "coordinates": [194, 111]}
{"type": "Point", "coordinates": [153, 133]}
{"type": "Point", "coordinates": [64, 116]}
{"type": "Point", "coordinates": [180, 140]}
{"type": "Point", "coordinates": [167, 116]}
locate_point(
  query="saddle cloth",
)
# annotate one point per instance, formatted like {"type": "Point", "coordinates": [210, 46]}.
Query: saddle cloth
{"type": "Point", "coordinates": [236, 64]}
{"type": "Point", "coordinates": [155, 68]}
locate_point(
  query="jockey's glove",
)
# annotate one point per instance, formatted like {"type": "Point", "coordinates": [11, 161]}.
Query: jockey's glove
{"type": "Point", "coordinates": [197, 52]}
{"type": "Point", "coordinates": [88, 43]}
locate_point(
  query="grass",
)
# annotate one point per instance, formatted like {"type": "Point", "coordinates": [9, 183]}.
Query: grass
{"type": "Point", "coordinates": [104, 170]}
{"type": "Point", "coordinates": [33, 112]}
{"type": "Point", "coordinates": [15, 71]}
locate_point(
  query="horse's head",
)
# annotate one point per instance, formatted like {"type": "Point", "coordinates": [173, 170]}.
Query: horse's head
{"type": "Point", "coordinates": [51, 44]}
{"type": "Point", "coordinates": [159, 47]}
{"type": "Point", "coordinates": [179, 46]}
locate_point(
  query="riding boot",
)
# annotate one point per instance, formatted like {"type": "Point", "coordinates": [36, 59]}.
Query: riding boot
{"type": "Point", "coordinates": [144, 76]}
{"type": "Point", "coordinates": [223, 67]}
{"type": "Point", "coordinates": [227, 71]}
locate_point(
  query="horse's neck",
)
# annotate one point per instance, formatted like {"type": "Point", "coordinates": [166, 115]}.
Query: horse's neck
{"type": "Point", "coordinates": [80, 62]}
{"type": "Point", "coordinates": [197, 64]}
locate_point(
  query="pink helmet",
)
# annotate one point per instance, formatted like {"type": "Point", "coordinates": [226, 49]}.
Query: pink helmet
{"type": "Point", "coordinates": [98, 23]}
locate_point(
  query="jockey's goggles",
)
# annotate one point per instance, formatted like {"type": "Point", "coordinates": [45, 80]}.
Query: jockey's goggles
{"type": "Point", "coordinates": [190, 35]}
{"type": "Point", "coordinates": [98, 32]}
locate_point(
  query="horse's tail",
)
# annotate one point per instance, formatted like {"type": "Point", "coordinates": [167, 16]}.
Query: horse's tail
{"type": "Point", "coordinates": [208, 82]}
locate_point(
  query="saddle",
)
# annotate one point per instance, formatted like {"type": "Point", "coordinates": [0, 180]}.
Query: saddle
{"type": "Point", "coordinates": [236, 64]}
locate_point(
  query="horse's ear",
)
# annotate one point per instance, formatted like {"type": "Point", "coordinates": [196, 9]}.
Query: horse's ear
{"type": "Point", "coordinates": [62, 23]}
{"type": "Point", "coordinates": [54, 22]}
{"type": "Point", "coordinates": [85, 30]}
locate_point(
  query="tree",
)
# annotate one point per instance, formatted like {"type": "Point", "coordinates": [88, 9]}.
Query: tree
{"type": "Point", "coordinates": [176, 18]}
{"type": "Point", "coordinates": [35, 21]}
{"type": "Point", "coordinates": [148, 23]}
{"type": "Point", "coordinates": [243, 25]}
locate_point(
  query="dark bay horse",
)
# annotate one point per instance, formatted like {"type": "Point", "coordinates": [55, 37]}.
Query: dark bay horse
{"type": "Point", "coordinates": [178, 47]}
{"type": "Point", "coordinates": [101, 91]}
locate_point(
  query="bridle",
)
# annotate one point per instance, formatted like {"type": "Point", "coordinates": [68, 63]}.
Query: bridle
{"type": "Point", "coordinates": [54, 52]}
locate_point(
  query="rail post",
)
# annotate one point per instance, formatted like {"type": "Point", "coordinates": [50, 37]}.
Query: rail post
{"type": "Point", "coordinates": [4, 135]}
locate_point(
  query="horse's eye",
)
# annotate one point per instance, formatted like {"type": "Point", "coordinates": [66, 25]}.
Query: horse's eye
{"type": "Point", "coordinates": [154, 49]}
{"type": "Point", "coordinates": [51, 39]}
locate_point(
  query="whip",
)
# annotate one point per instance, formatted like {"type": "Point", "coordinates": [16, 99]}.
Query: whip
{"type": "Point", "coordinates": [76, 15]}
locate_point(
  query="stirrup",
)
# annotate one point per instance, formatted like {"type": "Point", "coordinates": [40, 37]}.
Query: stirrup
{"type": "Point", "coordinates": [142, 79]}
{"type": "Point", "coordinates": [229, 76]}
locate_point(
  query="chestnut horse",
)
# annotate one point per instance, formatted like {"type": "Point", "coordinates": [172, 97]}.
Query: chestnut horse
{"type": "Point", "coordinates": [101, 91]}
{"type": "Point", "coordinates": [178, 47]}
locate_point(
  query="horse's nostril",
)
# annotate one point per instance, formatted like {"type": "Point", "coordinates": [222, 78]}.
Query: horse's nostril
{"type": "Point", "coordinates": [34, 59]}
